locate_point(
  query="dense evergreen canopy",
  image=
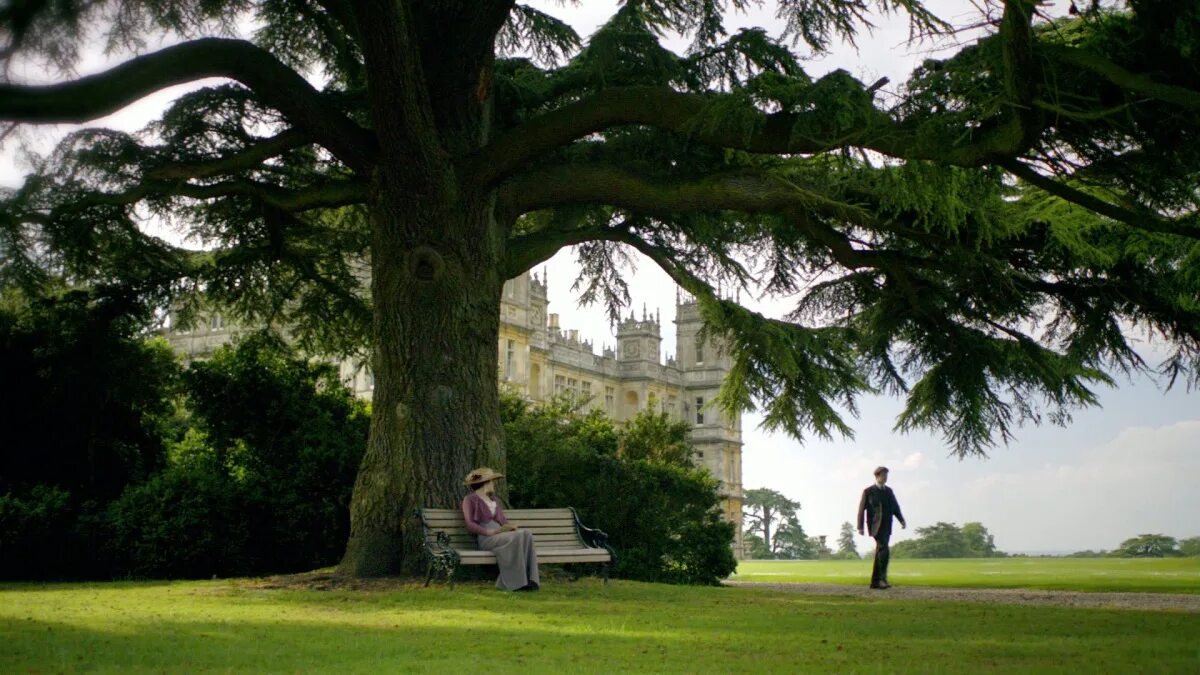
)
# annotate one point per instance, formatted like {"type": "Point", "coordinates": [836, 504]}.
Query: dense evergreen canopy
{"type": "Point", "coordinates": [981, 241]}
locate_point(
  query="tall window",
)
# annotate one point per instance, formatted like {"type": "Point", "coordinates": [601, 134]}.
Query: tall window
{"type": "Point", "coordinates": [609, 398]}
{"type": "Point", "coordinates": [509, 355]}
{"type": "Point", "coordinates": [699, 410]}
{"type": "Point", "coordinates": [560, 384]}
{"type": "Point", "coordinates": [699, 349]}
{"type": "Point", "coordinates": [587, 389]}
{"type": "Point", "coordinates": [215, 322]}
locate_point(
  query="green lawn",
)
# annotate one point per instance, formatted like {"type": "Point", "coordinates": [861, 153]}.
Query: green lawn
{"type": "Point", "coordinates": [568, 627]}
{"type": "Point", "coordinates": [1163, 575]}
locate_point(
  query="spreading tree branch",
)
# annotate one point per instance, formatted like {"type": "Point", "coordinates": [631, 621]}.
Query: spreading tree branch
{"type": "Point", "coordinates": [1142, 84]}
{"type": "Point", "coordinates": [745, 191]}
{"type": "Point", "coordinates": [273, 82]}
{"type": "Point", "coordinates": [811, 131]}
{"type": "Point", "coordinates": [748, 191]}
{"type": "Point", "coordinates": [328, 195]}
{"type": "Point", "coordinates": [1142, 220]}
{"type": "Point", "coordinates": [247, 159]}
{"type": "Point", "coordinates": [689, 114]}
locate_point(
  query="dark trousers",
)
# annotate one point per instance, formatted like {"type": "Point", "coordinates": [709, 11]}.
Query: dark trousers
{"type": "Point", "coordinates": [882, 553]}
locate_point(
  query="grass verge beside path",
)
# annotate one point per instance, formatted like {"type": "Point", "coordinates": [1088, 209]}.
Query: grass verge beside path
{"type": "Point", "coordinates": [1145, 575]}
{"type": "Point", "coordinates": [573, 627]}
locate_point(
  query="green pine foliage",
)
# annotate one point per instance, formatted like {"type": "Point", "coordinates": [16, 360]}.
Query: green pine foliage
{"type": "Point", "coordinates": [987, 302]}
{"type": "Point", "coordinates": [985, 239]}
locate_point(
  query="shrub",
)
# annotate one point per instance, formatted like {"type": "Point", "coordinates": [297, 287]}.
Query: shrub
{"type": "Point", "coordinates": [261, 481]}
{"type": "Point", "coordinates": [84, 398]}
{"type": "Point", "coordinates": [664, 520]}
{"type": "Point", "coordinates": [189, 521]}
{"type": "Point", "coordinates": [294, 437]}
{"type": "Point", "coordinates": [84, 410]}
{"type": "Point", "coordinates": [36, 533]}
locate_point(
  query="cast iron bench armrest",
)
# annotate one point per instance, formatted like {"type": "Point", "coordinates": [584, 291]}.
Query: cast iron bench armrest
{"type": "Point", "coordinates": [592, 536]}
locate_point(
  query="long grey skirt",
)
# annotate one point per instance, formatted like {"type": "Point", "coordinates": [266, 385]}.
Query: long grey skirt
{"type": "Point", "coordinates": [514, 554]}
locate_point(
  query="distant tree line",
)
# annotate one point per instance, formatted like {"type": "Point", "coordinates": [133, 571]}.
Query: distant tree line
{"type": "Point", "coordinates": [948, 540]}
{"type": "Point", "coordinates": [1148, 546]}
{"type": "Point", "coordinates": [773, 532]}
{"type": "Point", "coordinates": [118, 461]}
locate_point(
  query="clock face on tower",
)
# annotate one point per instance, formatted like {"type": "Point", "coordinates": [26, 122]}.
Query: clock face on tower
{"type": "Point", "coordinates": [632, 349]}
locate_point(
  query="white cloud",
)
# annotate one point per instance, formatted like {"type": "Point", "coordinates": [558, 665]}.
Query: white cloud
{"type": "Point", "coordinates": [1142, 480]}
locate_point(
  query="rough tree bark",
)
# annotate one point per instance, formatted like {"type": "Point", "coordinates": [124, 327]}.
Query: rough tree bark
{"type": "Point", "coordinates": [436, 285]}
{"type": "Point", "coordinates": [437, 262]}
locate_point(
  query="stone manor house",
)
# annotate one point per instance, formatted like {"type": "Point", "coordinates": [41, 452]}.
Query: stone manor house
{"type": "Point", "coordinates": [539, 360]}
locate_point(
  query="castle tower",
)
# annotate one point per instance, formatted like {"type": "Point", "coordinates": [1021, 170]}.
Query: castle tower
{"type": "Point", "coordinates": [717, 439]}
{"type": "Point", "coordinates": [639, 343]}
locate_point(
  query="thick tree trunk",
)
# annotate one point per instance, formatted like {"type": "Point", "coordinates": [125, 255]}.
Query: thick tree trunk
{"type": "Point", "coordinates": [436, 285]}
{"type": "Point", "coordinates": [437, 255]}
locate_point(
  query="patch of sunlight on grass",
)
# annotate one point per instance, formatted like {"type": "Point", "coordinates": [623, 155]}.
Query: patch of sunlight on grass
{"type": "Point", "coordinates": [568, 627]}
{"type": "Point", "coordinates": [1162, 575]}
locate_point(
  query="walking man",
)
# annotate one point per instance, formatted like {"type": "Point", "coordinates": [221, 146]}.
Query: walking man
{"type": "Point", "coordinates": [879, 504]}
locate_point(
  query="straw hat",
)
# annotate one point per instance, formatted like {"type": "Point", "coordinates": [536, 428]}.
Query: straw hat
{"type": "Point", "coordinates": [481, 475]}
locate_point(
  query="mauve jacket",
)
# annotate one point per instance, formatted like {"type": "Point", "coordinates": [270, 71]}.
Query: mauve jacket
{"type": "Point", "coordinates": [476, 511]}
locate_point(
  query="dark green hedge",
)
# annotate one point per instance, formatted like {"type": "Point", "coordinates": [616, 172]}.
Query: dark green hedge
{"type": "Point", "coordinates": [663, 519]}
{"type": "Point", "coordinates": [264, 484]}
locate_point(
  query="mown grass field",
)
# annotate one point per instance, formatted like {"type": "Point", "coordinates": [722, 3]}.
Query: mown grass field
{"type": "Point", "coordinates": [236, 626]}
{"type": "Point", "coordinates": [1155, 575]}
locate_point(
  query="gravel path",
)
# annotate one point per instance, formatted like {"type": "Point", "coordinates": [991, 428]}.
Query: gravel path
{"type": "Point", "coordinates": [1011, 596]}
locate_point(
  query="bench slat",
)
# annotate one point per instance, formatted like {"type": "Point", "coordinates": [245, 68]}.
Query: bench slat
{"type": "Point", "coordinates": [512, 513]}
{"type": "Point", "coordinates": [535, 525]}
{"type": "Point", "coordinates": [537, 536]}
{"type": "Point", "coordinates": [537, 531]}
{"type": "Point", "coordinates": [559, 542]}
{"type": "Point", "coordinates": [548, 556]}
{"type": "Point", "coordinates": [458, 520]}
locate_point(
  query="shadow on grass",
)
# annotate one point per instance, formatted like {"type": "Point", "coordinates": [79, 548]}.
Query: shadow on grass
{"type": "Point", "coordinates": [58, 586]}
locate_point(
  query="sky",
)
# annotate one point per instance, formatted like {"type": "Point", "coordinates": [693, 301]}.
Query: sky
{"type": "Point", "coordinates": [1118, 470]}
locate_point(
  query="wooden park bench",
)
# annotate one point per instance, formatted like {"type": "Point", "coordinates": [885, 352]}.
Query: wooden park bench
{"type": "Point", "coordinates": [558, 537]}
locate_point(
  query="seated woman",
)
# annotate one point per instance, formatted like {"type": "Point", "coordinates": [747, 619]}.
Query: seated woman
{"type": "Point", "coordinates": [512, 546]}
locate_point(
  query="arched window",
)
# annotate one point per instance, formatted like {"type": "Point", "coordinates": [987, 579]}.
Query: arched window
{"type": "Point", "coordinates": [631, 400]}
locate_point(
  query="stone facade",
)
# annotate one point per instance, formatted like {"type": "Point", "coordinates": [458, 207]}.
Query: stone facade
{"type": "Point", "coordinates": [540, 360]}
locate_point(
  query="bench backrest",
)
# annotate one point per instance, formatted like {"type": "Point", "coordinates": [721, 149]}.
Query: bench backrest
{"type": "Point", "coordinates": [552, 528]}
